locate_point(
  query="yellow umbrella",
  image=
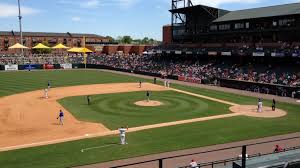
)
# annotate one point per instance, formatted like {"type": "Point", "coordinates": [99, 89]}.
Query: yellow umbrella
{"type": "Point", "coordinates": [80, 50]}
{"type": "Point", "coordinates": [60, 46]}
{"type": "Point", "coordinates": [18, 46]}
{"type": "Point", "coordinates": [40, 46]}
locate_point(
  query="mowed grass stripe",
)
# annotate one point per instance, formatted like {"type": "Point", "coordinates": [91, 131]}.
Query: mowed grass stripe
{"type": "Point", "coordinates": [118, 109]}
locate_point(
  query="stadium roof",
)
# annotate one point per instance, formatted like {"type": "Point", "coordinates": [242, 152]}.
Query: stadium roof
{"type": "Point", "coordinates": [44, 34]}
{"type": "Point", "coordinates": [193, 8]}
{"type": "Point", "coordinates": [271, 11]}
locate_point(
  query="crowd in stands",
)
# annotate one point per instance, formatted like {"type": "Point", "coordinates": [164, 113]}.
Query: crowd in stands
{"type": "Point", "coordinates": [204, 70]}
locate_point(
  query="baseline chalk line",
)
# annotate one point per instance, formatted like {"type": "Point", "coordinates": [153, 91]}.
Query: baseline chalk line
{"type": "Point", "coordinates": [97, 147]}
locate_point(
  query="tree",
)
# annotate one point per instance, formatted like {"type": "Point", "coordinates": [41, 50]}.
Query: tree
{"type": "Point", "coordinates": [111, 39]}
{"type": "Point", "coordinates": [127, 40]}
{"type": "Point", "coordinates": [145, 40]}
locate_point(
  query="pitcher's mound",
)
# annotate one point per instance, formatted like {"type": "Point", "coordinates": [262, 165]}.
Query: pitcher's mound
{"type": "Point", "coordinates": [146, 103]}
{"type": "Point", "coordinates": [250, 110]}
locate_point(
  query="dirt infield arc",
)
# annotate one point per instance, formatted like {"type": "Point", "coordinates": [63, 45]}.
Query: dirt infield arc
{"type": "Point", "coordinates": [28, 120]}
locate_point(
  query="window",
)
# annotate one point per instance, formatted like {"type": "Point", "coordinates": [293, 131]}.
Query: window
{"type": "Point", "coordinates": [286, 22]}
{"type": "Point", "coordinates": [274, 23]}
{"type": "Point", "coordinates": [224, 27]}
{"type": "Point", "coordinates": [213, 27]}
{"type": "Point", "coordinates": [239, 26]}
{"type": "Point", "coordinates": [247, 25]}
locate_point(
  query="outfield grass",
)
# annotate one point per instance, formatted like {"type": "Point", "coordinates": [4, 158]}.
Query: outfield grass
{"type": "Point", "coordinates": [118, 109]}
{"type": "Point", "coordinates": [22, 81]}
{"type": "Point", "coordinates": [148, 141]}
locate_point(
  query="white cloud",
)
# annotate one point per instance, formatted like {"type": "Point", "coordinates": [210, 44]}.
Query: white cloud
{"type": "Point", "coordinates": [217, 3]}
{"type": "Point", "coordinates": [90, 4]}
{"type": "Point", "coordinates": [75, 19]}
{"type": "Point", "coordinates": [126, 3]}
{"type": "Point", "coordinates": [98, 3]}
{"type": "Point", "coordinates": [8, 10]}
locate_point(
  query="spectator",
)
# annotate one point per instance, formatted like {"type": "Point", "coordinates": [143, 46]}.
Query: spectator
{"type": "Point", "coordinates": [278, 149]}
{"type": "Point", "coordinates": [194, 164]}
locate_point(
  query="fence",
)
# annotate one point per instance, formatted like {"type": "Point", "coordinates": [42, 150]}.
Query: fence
{"type": "Point", "coordinates": [223, 162]}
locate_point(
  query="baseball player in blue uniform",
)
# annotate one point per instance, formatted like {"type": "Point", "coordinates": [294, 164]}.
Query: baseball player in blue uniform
{"type": "Point", "coordinates": [61, 117]}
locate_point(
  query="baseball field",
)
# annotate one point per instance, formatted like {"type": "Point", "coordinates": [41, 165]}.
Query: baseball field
{"type": "Point", "coordinates": [176, 118]}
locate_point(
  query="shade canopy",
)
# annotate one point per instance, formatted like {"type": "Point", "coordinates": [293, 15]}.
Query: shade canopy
{"type": "Point", "coordinates": [18, 46]}
{"type": "Point", "coordinates": [60, 46]}
{"type": "Point", "coordinates": [40, 46]}
{"type": "Point", "coordinates": [80, 50]}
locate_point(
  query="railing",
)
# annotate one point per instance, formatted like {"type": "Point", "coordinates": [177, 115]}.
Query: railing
{"type": "Point", "coordinates": [160, 161]}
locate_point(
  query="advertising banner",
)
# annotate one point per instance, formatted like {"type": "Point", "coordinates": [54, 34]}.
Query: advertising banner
{"type": "Point", "coordinates": [30, 67]}
{"type": "Point", "coordinates": [226, 53]}
{"type": "Point", "coordinates": [66, 66]}
{"type": "Point", "coordinates": [274, 54]}
{"type": "Point", "coordinates": [189, 79]}
{"type": "Point", "coordinates": [212, 53]}
{"type": "Point", "coordinates": [178, 52]}
{"type": "Point", "coordinates": [296, 55]}
{"type": "Point", "coordinates": [48, 66]}
{"type": "Point", "coordinates": [11, 67]}
{"type": "Point", "coordinates": [258, 54]}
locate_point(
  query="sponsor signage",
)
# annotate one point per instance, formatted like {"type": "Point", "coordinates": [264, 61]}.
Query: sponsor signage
{"type": "Point", "coordinates": [66, 66]}
{"type": "Point", "coordinates": [159, 52]}
{"type": "Point", "coordinates": [189, 52]}
{"type": "Point", "coordinates": [189, 79]}
{"type": "Point", "coordinates": [48, 66]}
{"type": "Point", "coordinates": [274, 54]}
{"type": "Point", "coordinates": [226, 53]}
{"type": "Point", "coordinates": [178, 52]}
{"type": "Point", "coordinates": [296, 55]}
{"type": "Point", "coordinates": [212, 53]}
{"type": "Point", "coordinates": [258, 54]}
{"type": "Point", "coordinates": [11, 67]}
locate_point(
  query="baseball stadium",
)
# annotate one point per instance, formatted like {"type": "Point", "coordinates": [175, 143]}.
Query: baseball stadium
{"type": "Point", "coordinates": [221, 90]}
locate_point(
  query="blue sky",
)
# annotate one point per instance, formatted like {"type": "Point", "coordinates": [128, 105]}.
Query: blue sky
{"type": "Point", "coordinates": [137, 18]}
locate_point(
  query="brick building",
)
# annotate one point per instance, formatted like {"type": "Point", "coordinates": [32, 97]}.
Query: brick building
{"type": "Point", "coordinates": [30, 39]}
{"type": "Point", "coordinates": [99, 44]}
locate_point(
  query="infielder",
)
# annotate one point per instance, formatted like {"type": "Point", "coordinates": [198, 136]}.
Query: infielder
{"type": "Point", "coordinates": [122, 131]}
{"type": "Point", "coordinates": [260, 105]}
{"type": "Point", "coordinates": [88, 99]}
{"type": "Point", "coordinates": [140, 84]}
{"type": "Point", "coordinates": [168, 83]}
{"type": "Point", "coordinates": [46, 93]}
{"type": "Point", "coordinates": [148, 96]}
{"type": "Point", "coordinates": [165, 83]}
{"type": "Point", "coordinates": [49, 85]}
{"type": "Point", "coordinates": [273, 105]}
{"type": "Point", "coordinates": [61, 117]}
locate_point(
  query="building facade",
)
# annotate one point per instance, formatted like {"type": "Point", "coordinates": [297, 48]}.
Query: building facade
{"type": "Point", "coordinates": [30, 39]}
{"type": "Point", "coordinates": [203, 24]}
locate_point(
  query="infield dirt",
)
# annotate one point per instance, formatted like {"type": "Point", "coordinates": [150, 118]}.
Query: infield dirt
{"type": "Point", "coordinates": [29, 118]}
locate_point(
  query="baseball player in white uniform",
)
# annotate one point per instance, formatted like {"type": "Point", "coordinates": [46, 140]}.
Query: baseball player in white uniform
{"type": "Point", "coordinates": [46, 93]}
{"type": "Point", "coordinates": [168, 83]}
{"type": "Point", "coordinates": [122, 131]}
{"type": "Point", "coordinates": [260, 106]}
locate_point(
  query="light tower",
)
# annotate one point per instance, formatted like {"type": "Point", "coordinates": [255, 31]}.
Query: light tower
{"type": "Point", "coordinates": [20, 25]}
